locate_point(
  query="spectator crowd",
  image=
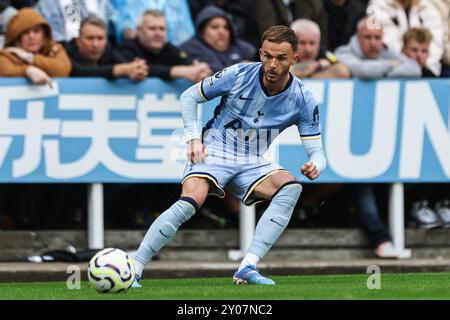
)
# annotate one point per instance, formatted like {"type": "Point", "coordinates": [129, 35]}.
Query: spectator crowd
{"type": "Point", "coordinates": [172, 39]}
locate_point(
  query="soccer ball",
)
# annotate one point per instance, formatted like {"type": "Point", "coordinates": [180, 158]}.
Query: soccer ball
{"type": "Point", "coordinates": [111, 270]}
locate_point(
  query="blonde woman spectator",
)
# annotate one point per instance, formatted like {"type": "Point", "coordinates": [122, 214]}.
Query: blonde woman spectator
{"type": "Point", "coordinates": [398, 16]}
{"type": "Point", "coordinates": [30, 50]}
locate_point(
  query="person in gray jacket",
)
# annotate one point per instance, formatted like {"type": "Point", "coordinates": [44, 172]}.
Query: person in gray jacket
{"type": "Point", "coordinates": [367, 57]}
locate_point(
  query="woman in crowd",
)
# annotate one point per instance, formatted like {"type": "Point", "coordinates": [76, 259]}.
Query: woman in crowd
{"type": "Point", "coordinates": [30, 50]}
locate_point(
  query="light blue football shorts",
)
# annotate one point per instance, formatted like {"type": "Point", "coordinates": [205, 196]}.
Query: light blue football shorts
{"type": "Point", "coordinates": [239, 179]}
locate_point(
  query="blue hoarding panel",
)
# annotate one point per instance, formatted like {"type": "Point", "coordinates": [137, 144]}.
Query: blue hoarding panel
{"type": "Point", "coordinates": [94, 130]}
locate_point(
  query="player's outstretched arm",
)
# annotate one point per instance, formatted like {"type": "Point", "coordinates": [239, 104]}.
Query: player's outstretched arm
{"type": "Point", "coordinates": [192, 128]}
{"type": "Point", "coordinates": [189, 100]}
{"type": "Point", "coordinates": [317, 161]}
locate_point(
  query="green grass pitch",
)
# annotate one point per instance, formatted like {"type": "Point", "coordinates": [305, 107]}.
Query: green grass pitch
{"type": "Point", "coordinates": [393, 286]}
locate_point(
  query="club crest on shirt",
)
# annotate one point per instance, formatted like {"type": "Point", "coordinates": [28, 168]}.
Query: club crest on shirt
{"type": "Point", "coordinates": [260, 114]}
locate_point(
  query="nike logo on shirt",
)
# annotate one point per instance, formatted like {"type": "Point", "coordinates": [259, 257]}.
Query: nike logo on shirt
{"type": "Point", "coordinates": [241, 97]}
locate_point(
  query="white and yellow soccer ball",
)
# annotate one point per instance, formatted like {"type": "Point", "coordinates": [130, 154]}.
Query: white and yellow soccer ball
{"type": "Point", "coordinates": [111, 270]}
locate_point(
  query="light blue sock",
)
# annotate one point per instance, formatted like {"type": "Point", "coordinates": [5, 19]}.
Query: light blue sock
{"type": "Point", "coordinates": [275, 219]}
{"type": "Point", "coordinates": [162, 230]}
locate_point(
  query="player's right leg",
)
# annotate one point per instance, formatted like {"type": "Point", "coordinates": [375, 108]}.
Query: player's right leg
{"type": "Point", "coordinates": [163, 229]}
{"type": "Point", "coordinates": [283, 191]}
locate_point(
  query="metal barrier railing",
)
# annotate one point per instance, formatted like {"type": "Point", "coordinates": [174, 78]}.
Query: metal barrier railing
{"type": "Point", "coordinates": [247, 222]}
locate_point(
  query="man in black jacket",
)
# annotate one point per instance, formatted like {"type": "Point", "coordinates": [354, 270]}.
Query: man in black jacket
{"type": "Point", "coordinates": [164, 59]}
{"type": "Point", "coordinates": [271, 12]}
{"type": "Point", "coordinates": [216, 42]}
{"type": "Point", "coordinates": [92, 56]}
{"type": "Point", "coordinates": [343, 17]}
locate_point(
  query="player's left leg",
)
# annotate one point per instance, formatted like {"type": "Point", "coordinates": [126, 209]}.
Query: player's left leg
{"type": "Point", "coordinates": [164, 228]}
{"type": "Point", "coordinates": [283, 191]}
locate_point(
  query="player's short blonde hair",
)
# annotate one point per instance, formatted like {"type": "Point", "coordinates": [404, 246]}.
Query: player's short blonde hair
{"type": "Point", "coordinates": [280, 33]}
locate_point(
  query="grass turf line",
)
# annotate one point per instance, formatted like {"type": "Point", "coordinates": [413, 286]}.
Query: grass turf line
{"type": "Point", "coordinates": [393, 286]}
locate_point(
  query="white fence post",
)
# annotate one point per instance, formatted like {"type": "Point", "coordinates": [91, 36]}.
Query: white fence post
{"type": "Point", "coordinates": [95, 217]}
{"type": "Point", "coordinates": [396, 219]}
{"type": "Point", "coordinates": [246, 231]}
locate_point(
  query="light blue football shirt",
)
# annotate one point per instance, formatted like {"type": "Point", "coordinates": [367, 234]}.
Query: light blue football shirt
{"type": "Point", "coordinates": [248, 119]}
